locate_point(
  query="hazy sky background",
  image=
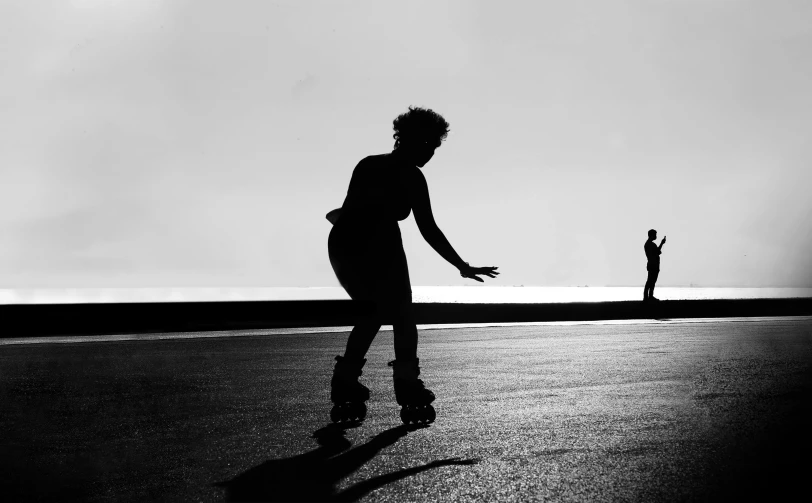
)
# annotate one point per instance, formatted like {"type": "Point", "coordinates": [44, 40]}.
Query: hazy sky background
{"type": "Point", "coordinates": [201, 143]}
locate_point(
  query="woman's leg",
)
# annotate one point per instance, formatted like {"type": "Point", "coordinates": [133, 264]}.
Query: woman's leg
{"type": "Point", "coordinates": [405, 328]}
{"type": "Point", "coordinates": [345, 390]}
{"type": "Point", "coordinates": [410, 392]}
{"type": "Point", "coordinates": [351, 267]}
{"type": "Point", "coordinates": [361, 338]}
{"type": "Point", "coordinates": [403, 324]}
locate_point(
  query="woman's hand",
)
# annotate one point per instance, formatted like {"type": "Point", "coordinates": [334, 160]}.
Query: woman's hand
{"type": "Point", "coordinates": [474, 272]}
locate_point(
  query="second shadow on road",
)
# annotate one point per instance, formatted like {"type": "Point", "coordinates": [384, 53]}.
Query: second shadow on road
{"type": "Point", "coordinates": [314, 475]}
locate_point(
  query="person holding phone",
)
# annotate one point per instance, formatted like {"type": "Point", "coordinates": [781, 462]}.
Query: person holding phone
{"type": "Point", "coordinates": [653, 253]}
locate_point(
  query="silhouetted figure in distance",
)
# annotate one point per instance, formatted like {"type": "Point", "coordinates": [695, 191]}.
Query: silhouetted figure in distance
{"type": "Point", "coordinates": [653, 266]}
{"type": "Point", "coordinates": [366, 253]}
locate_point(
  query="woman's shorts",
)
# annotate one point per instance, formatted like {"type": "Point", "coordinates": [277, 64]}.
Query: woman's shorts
{"type": "Point", "coordinates": [370, 263]}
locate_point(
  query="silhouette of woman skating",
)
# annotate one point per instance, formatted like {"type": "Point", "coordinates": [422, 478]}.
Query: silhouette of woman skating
{"type": "Point", "coordinates": [367, 255]}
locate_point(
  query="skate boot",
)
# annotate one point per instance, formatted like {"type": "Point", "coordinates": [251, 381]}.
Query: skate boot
{"type": "Point", "coordinates": [346, 393]}
{"type": "Point", "coordinates": [411, 394]}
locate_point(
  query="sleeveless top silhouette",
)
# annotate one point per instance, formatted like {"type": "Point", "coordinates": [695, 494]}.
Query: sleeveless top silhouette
{"type": "Point", "coordinates": [378, 192]}
{"type": "Point", "coordinates": [365, 246]}
{"type": "Point", "coordinates": [653, 256]}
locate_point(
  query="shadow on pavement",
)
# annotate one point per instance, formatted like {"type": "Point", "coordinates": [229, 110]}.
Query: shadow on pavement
{"type": "Point", "coordinates": [766, 456]}
{"type": "Point", "coordinates": [313, 476]}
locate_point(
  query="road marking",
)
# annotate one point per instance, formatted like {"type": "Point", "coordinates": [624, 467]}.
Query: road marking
{"type": "Point", "coordinates": [75, 339]}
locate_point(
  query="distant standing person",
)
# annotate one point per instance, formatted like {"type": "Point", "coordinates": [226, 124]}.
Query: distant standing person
{"type": "Point", "coordinates": [653, 267]}
{"type": "Point", "coordinates": [367, 255]}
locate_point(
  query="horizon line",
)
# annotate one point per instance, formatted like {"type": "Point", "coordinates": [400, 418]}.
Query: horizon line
{"type": "Point", "coordinates": [413, 286]}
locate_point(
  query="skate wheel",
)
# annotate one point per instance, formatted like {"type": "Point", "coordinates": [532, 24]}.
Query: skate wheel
{"type": "Point", "coordinates": [422, 414]}
{"type": "Point", "coordinates": [359, 411]}
{"type": "Point", "coordinates": [349, 411]}
{"type": "Point", "coordinates": [335, 414]}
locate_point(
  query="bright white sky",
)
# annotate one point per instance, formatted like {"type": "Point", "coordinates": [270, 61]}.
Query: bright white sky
{"type": "Point", "coordinates": [200, 143]}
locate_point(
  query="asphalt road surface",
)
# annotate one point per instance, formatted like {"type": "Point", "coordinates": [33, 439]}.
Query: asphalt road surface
{"type": "Point", "coordinates": [659, 411]}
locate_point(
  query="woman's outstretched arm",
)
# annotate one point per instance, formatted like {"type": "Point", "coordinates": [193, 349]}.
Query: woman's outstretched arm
{"type": "Point", "coordinates": [423, 216]}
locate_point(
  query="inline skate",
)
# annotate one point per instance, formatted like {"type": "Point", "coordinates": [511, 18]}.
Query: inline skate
{"type": "Point", "coordinates": [346, 393]}
{"type": "Point", "coordinates": [411, 394]}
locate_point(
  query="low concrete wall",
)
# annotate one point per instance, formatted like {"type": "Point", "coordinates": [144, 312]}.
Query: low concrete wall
{"type": "Point", "coordinates": [28, 320]}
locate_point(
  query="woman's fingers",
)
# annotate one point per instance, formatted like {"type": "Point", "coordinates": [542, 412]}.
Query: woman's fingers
{"type": "Point", "coordinates": [488, 271]}
{"type": "Point", "coordinates": [473, 273]}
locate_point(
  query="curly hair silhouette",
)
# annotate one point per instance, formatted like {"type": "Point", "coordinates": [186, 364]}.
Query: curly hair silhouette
{"type": "Point", "coordinates": [420, 124]}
